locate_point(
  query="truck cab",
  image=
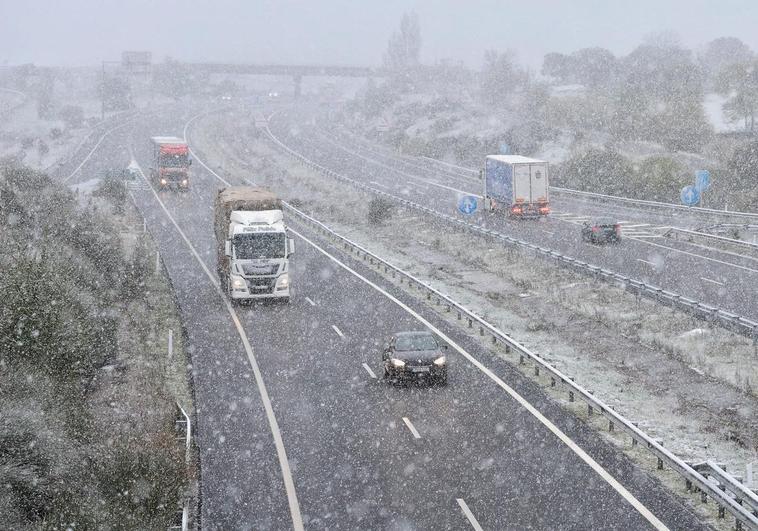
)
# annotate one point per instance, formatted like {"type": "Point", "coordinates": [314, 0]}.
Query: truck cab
{"type": "Point", "coordinates": [258, 250]}
{"type": "Point", "coordinates": [170, 162]}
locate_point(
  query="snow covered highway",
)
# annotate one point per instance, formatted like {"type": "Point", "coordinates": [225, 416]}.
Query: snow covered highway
{"type": "Point", "coordinates": [352, 459]}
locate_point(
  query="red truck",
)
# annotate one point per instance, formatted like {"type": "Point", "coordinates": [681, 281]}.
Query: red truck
{"type": "Point", "coordinates": [170, 162]}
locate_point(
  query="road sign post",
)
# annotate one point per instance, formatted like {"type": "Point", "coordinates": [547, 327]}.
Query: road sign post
{"type": "Point", "coordinates": [702, 182]}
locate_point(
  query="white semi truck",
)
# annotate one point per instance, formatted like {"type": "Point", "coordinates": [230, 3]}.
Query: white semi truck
{"type": "Point", "coordinates": [253, 244]}
{"type": "Point", "coordinates": [517, 185]}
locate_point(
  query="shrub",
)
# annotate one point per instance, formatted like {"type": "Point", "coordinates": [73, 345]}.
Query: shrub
{"type": "Point", "coordinates": [141, 481]}
{"type": "Point", "coordinates": [72, 116]}
{"type": "Point", "coordinates": [380, 210]}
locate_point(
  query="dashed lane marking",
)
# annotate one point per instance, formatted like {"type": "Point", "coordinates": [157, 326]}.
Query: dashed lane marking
{"type": "Point", "coordinates": [369, 371]}
{"type": "Point", "coordinates": [469, 515]}
{"type": "Point", "coordinates": [412, 428]}
{"type": "Point", "coordinates": [555, 430]}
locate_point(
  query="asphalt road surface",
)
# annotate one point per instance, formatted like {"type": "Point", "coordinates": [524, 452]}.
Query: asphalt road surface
{"type": "Point", "coordinates": [722, 279]}
{"type": "Point", "coordinates": [295, 430]}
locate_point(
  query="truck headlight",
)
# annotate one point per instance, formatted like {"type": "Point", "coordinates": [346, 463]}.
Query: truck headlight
{"type": "Point", "coordinates": [397, 363]}
{"type": "Point", "coordinates": [238, 282]}
{"type": "Point", "coordinates": [283, 281]}
{"type": "Point", "coordinates": [439, 362]}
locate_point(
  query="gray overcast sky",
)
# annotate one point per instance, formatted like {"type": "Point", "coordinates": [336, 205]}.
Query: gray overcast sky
{"type": "Point", "coordinates": [79, 32]}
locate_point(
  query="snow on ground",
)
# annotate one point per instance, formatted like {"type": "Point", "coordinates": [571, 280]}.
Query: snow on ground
{"type": "Point", "coordinates": [631, 353]}
{"type": "Point", "coordinates": [713, 104]}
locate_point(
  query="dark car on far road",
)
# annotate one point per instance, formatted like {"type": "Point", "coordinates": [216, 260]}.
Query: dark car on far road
{"type": "Point", "coordinates": [601, 230]}
{"type": "Point", "coordinates": [412, 356]}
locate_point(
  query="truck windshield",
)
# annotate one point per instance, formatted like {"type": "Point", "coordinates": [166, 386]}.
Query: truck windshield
{"type": "Point", "coordinates": [174, 160]}
{"type": "Point", "coordinates": [259, 245]}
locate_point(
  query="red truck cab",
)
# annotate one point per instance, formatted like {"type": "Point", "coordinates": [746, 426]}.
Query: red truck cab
{"type": "Point", "coordinates": [170, 162]}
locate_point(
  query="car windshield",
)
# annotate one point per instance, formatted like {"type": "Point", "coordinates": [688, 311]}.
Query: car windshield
{"type": "Point", "coordinates": [174, 160]}
{"type": "Point", "coordinates": [410, 342]}
{"type": "Point", "coordinates": [259, 245]}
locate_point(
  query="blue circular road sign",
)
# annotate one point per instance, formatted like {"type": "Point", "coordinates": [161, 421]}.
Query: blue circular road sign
{"type": "Point", "coordinates": [467, 204]}
{"type": "Point", "coordinates": [690, 195]}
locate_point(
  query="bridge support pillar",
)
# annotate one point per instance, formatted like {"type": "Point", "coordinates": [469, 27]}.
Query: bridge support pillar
{"type": "Point", "coordinates": [298, 79]}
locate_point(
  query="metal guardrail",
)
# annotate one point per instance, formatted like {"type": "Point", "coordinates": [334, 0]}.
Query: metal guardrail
{"type": "Point", "coordinates": [656, 204]}
{"type": "Point", "coordinates": [742, 494]}
{"type": "Point", "coordinates": [473, 174]}
{"type": "Point", "coordinates": [675, 231]}
{"type": "Point", "coordinates": [727, 320]}
{"type": "Point", "coordinates": [692, 477]}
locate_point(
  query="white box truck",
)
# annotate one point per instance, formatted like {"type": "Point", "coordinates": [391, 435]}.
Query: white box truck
{"type": "Point", "coordinates": [253, 244]}
{"type": "Point", "coordinates": [517, 185]}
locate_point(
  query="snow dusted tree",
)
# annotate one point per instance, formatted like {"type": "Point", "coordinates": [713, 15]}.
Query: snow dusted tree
{"type": "Point", "coordinates": [722, 53]}
{"type": "Point", "coordinates": [739, 82]}
{"type": "Point", "coordinates": [500, 75]}
{"type": "Point", "coordinates": [403, 49]}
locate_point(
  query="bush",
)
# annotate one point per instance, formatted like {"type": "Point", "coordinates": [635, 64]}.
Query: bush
{"type": "Point", "coordinates": [380, 210]}
{"type": "Point", "coordinates": [114, 190]}
{"type": "Point", "coordinates": [72, 116]}
{"type": "Point", "coordinates": [142, 481]}
{"type": "Point", "coordinates": [596, 170]}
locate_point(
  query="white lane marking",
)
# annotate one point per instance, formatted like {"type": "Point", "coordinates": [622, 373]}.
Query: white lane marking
{"type": "Point", "coordinates": [310, 301]}
{"type": "Point", "coordinates": [401, 172]}
{"type": "Point", "coordinates": [449, 164]}
{"type": "Point", "coordinates": [646, 262]}
{"type": "Point", "coordinates": [471, 518]}
{"type": "Point", "coordinates": [604, 474]}
{"type": "Point", "coordinates": [369, 371]}
{"type": "Point", "coordinates": [339, 332]}
{"type": "Point", "coordinates": [744, 268]}
{"type": "Point", "coordinates": [289, 484]}
{"type": "Point", "coordinates": [712, 281]}
{"type": "Point", "coordinates": [92, 151]}
{"type": "Point", "coordinates": [380, 184]}
{"type": "Point", "coordinates": [548, 232]}
{"type": "Point", "coordinates": [414, 431]}
{"type": "Point", "coordinates": [635, 226]}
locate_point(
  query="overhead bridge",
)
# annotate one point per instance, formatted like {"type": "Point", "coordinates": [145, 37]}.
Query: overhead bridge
{"type": "Point", "coordinates": [295, 71]}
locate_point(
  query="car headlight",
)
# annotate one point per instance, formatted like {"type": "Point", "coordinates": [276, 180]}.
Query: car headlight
{"type": "Point", "coordinates": [397, 363]}
{"type": "Point", "coordinates": [440, 361]}
{"type": "Point", "coordinates": [184, 182]}
{"type": "Point", "coordinates": [238, 282]}
{"type": "Point", "coordinates": [163, 181]}
{"type": "Point", "coordinates": [283, 281]}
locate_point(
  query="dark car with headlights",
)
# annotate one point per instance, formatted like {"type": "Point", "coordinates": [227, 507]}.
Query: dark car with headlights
{"type": "Point", "coordinates": [412, 356]}
{"type": "Point", "coordinates": [602, 230]}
